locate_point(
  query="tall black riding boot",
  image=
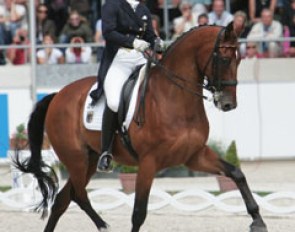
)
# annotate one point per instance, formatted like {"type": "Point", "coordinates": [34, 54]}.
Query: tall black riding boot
{"type": "Point", "coordinates": [109, 126]}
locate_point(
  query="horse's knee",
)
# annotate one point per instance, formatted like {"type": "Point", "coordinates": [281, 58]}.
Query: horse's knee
{"type": "Point", "coordinates": [238, 175]}
{"type": "Point", "coordinates": [233, 172]}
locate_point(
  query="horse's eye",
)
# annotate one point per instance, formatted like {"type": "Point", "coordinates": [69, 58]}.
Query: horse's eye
{"type": "Point", "coordinates": [225, 61]}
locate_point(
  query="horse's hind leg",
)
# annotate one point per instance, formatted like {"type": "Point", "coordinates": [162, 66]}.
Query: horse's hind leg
{"type": "Point", "coordinates": [64, 197]}
{"type": "Point", "coordinates": [80, 174]}
{"type": "Point", "coordinates": [208, 161]}
{"type": "Point", "coordinates": [60, 205]}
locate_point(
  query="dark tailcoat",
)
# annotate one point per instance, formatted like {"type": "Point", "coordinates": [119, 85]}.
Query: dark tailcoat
{"type": "Point", "coordinates": [120, 26]}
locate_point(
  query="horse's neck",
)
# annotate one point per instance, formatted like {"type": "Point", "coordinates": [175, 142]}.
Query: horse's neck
{"type": "Point", "coordinates": [172, 101]}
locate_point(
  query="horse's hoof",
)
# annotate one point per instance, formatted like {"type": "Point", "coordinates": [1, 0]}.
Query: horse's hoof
{"type": "Point", "coordinates": [107, 229]}
{"type": "Point", "coordinates": [258, 228]}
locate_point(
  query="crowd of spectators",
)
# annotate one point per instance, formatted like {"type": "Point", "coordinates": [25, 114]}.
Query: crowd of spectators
{"type": "Point", "coordinates": [78, 21]}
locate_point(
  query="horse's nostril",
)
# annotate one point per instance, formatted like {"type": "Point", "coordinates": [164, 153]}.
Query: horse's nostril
{"type": "Point", "coordinates": [227, 107]}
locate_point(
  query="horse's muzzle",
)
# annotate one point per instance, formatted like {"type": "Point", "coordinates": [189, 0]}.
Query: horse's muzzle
{"type": "Point", "coordinates": [225, 102]}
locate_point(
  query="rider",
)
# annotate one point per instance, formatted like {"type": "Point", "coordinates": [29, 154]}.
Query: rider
{"type": "Point", "coordinates": [127, 29]}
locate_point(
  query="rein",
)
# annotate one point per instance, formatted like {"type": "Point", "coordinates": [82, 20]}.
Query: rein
{"type": "Point", "coordinates": [212, 86]}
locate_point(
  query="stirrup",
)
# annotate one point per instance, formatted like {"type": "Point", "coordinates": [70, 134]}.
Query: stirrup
{"type": "Point", "coordinates": [105, 162]}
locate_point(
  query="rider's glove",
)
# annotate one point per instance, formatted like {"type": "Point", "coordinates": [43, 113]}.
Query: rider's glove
{"type": "Point", "coordinates": [159, 45]}
{"type": "Point", "coordinates": [140, 45]}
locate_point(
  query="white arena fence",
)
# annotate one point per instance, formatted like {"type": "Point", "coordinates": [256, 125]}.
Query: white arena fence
{"type": "Point", "coordinates": [25, 194]}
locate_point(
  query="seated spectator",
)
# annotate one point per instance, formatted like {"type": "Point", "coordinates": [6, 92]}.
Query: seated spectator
{"type": "Point", "coordinates": [219, 16]}
{"type": "Point", "coordinates": [251, 51]}
{"type": "Point", "coordinates": [199, 9]}
{"type": "Point", "coordinates": [157, 7]}
{"type": "Point", "coordinates": [75, 27]}
{"type": "Point", "coordinates": [58, 13]}
{"type": "Point", "coordinates": [203, 20]}
{"type": "Point", "coordinates": [16, 16]}
{"type": "Point", "coordinates": [186, 21]}
{"type": "Point", "coordinates": [2, 34]}
{"type": "Point", "coordinates": [98, 38]}
{"type": "Point", "coordinates": [289, 27]}
{"type": "Point", "coordinates": [156, 27]}
{"type": "Point", "coordinates": [205, 3]}
{"type": "Point", "coordinates": [49, 55]}
{"type": "Point", "coordinates": [268, 28]}
{"type": "Point", "coordinates": [78, 55]}
{"type": "Point", "coordinates": [82, 6]}
{"type": "Point", "coordinates": [240, 20]}
{"type": "Point", "coordinates": [18, 56]}
{"type": "Point", "coordinates": [256, 7]}
{"type": "Point", "coordinates": [44, 25]}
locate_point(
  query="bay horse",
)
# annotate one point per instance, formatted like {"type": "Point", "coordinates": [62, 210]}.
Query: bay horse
{"type": "Point", "coordinates": [175, 131]}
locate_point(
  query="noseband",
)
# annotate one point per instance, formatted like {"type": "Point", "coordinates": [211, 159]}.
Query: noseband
{"type": "Point", "coordinates": [216, 83]}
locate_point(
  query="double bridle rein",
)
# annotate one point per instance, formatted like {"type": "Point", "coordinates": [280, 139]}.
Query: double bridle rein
{"type": "Point", "coordinates": [214, 85]}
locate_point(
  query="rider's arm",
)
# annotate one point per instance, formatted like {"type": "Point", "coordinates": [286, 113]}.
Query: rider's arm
{"type": "Point", "coordinates": [109, 26]}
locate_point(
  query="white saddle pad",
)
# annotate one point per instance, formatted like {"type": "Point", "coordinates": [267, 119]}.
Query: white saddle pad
{"type": "Point", "coordinates": [92, 116]}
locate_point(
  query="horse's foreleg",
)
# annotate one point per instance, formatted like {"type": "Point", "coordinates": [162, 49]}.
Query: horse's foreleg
{"type": "Point", "coordinates": [144, 182]}
{"type": "Point", "coordinates": [239, 178]}
{"type": "Point", "coordinates": [208, 161]}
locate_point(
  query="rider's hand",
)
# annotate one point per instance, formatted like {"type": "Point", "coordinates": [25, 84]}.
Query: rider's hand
{"type": "Point", "coordinates": [159, 45]}
{"type": "Point", "coordinates": [140, 45]}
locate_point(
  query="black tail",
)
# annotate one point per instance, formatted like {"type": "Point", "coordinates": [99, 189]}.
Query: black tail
{"type": "Point", "coordinates": [47, 179]}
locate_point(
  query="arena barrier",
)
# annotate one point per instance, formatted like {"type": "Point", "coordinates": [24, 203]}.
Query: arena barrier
{"type": "Point", "coordinates": [25, 194]}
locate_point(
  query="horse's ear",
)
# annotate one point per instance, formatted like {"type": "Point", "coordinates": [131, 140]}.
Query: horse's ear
{"type": "Point", "coordinates": [233, 30]}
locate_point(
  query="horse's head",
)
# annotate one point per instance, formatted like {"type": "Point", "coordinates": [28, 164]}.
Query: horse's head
{"type": "Point", "coordinates": [220, 71]}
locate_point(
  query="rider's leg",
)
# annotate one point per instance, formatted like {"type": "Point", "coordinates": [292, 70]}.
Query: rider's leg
{"type": "Point", "coordinates": [109, 126]}
{"type": "Point", "coordinates": [114, 81]}
{"type": "Point", "coordinates": [122, 66]}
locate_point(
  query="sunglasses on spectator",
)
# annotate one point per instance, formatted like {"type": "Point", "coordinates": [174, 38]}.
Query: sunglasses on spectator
{"type": "Point", "coordinates": [75, 19]}
{"type": "Point", "coordinates": [186, 8]}
{"type": "Point", "coordinates": [42, 11]}
{"type": "Point", "coordinates": [248, 47]}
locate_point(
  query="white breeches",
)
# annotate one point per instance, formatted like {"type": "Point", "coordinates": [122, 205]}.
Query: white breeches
{"type": "Point", "coordinates": [122, 66]}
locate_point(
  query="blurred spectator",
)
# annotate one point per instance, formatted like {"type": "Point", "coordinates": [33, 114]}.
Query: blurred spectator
{"type": "Point", "coordinates": [268, 28]}
{"type": "Point", "coordinates": [58, 13]}
{"type": "Point", "coordinates": [98, 38]}
{"type": "Point", "coordinates": [289, 27]}
{"type": "Point", "coordinates": [199, 9]}
{"type": "Point", "coordinates": [186, 21]}
{"type": "Point", "coordinates": [256, 7]}
{"type": "Point", "coordinates": [205, 3]}
{"type": "Point", "coordinates": [19, 56]}
{"type": "Point", "coordinates": [43, 24]}
{"type": "Point", "coordinates": [203, 20]}
{"type": "Point", "coordinates": [157, 7]}
{"type": "Point", "coordinates": [219, 16]}
{"type": "Point", "coordinates": [15, 16]}
{"type": "Point", "coordinates": [49, 55]}
{"type": "Point", "coordinates": [156, 27]}
{"type": "Point", "coordinates": [2, 34]}
{"type": "Point", "coordinates": [251, 51]}
{"type": "Point", "coordinates": [82, 6]}
{"type": "Point", "coordinates": [240, 21]}
{"type": "Point", "coordinates": [78, 55]}
{"type": "Point", "coordinates": [75, 27]}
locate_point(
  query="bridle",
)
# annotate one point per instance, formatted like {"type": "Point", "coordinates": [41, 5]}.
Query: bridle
{"type": "Point", "coordinates": [215, 84]}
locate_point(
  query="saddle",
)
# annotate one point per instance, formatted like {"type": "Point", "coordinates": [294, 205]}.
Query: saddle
{"type": "Point", "coordinates": [125, 99]}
